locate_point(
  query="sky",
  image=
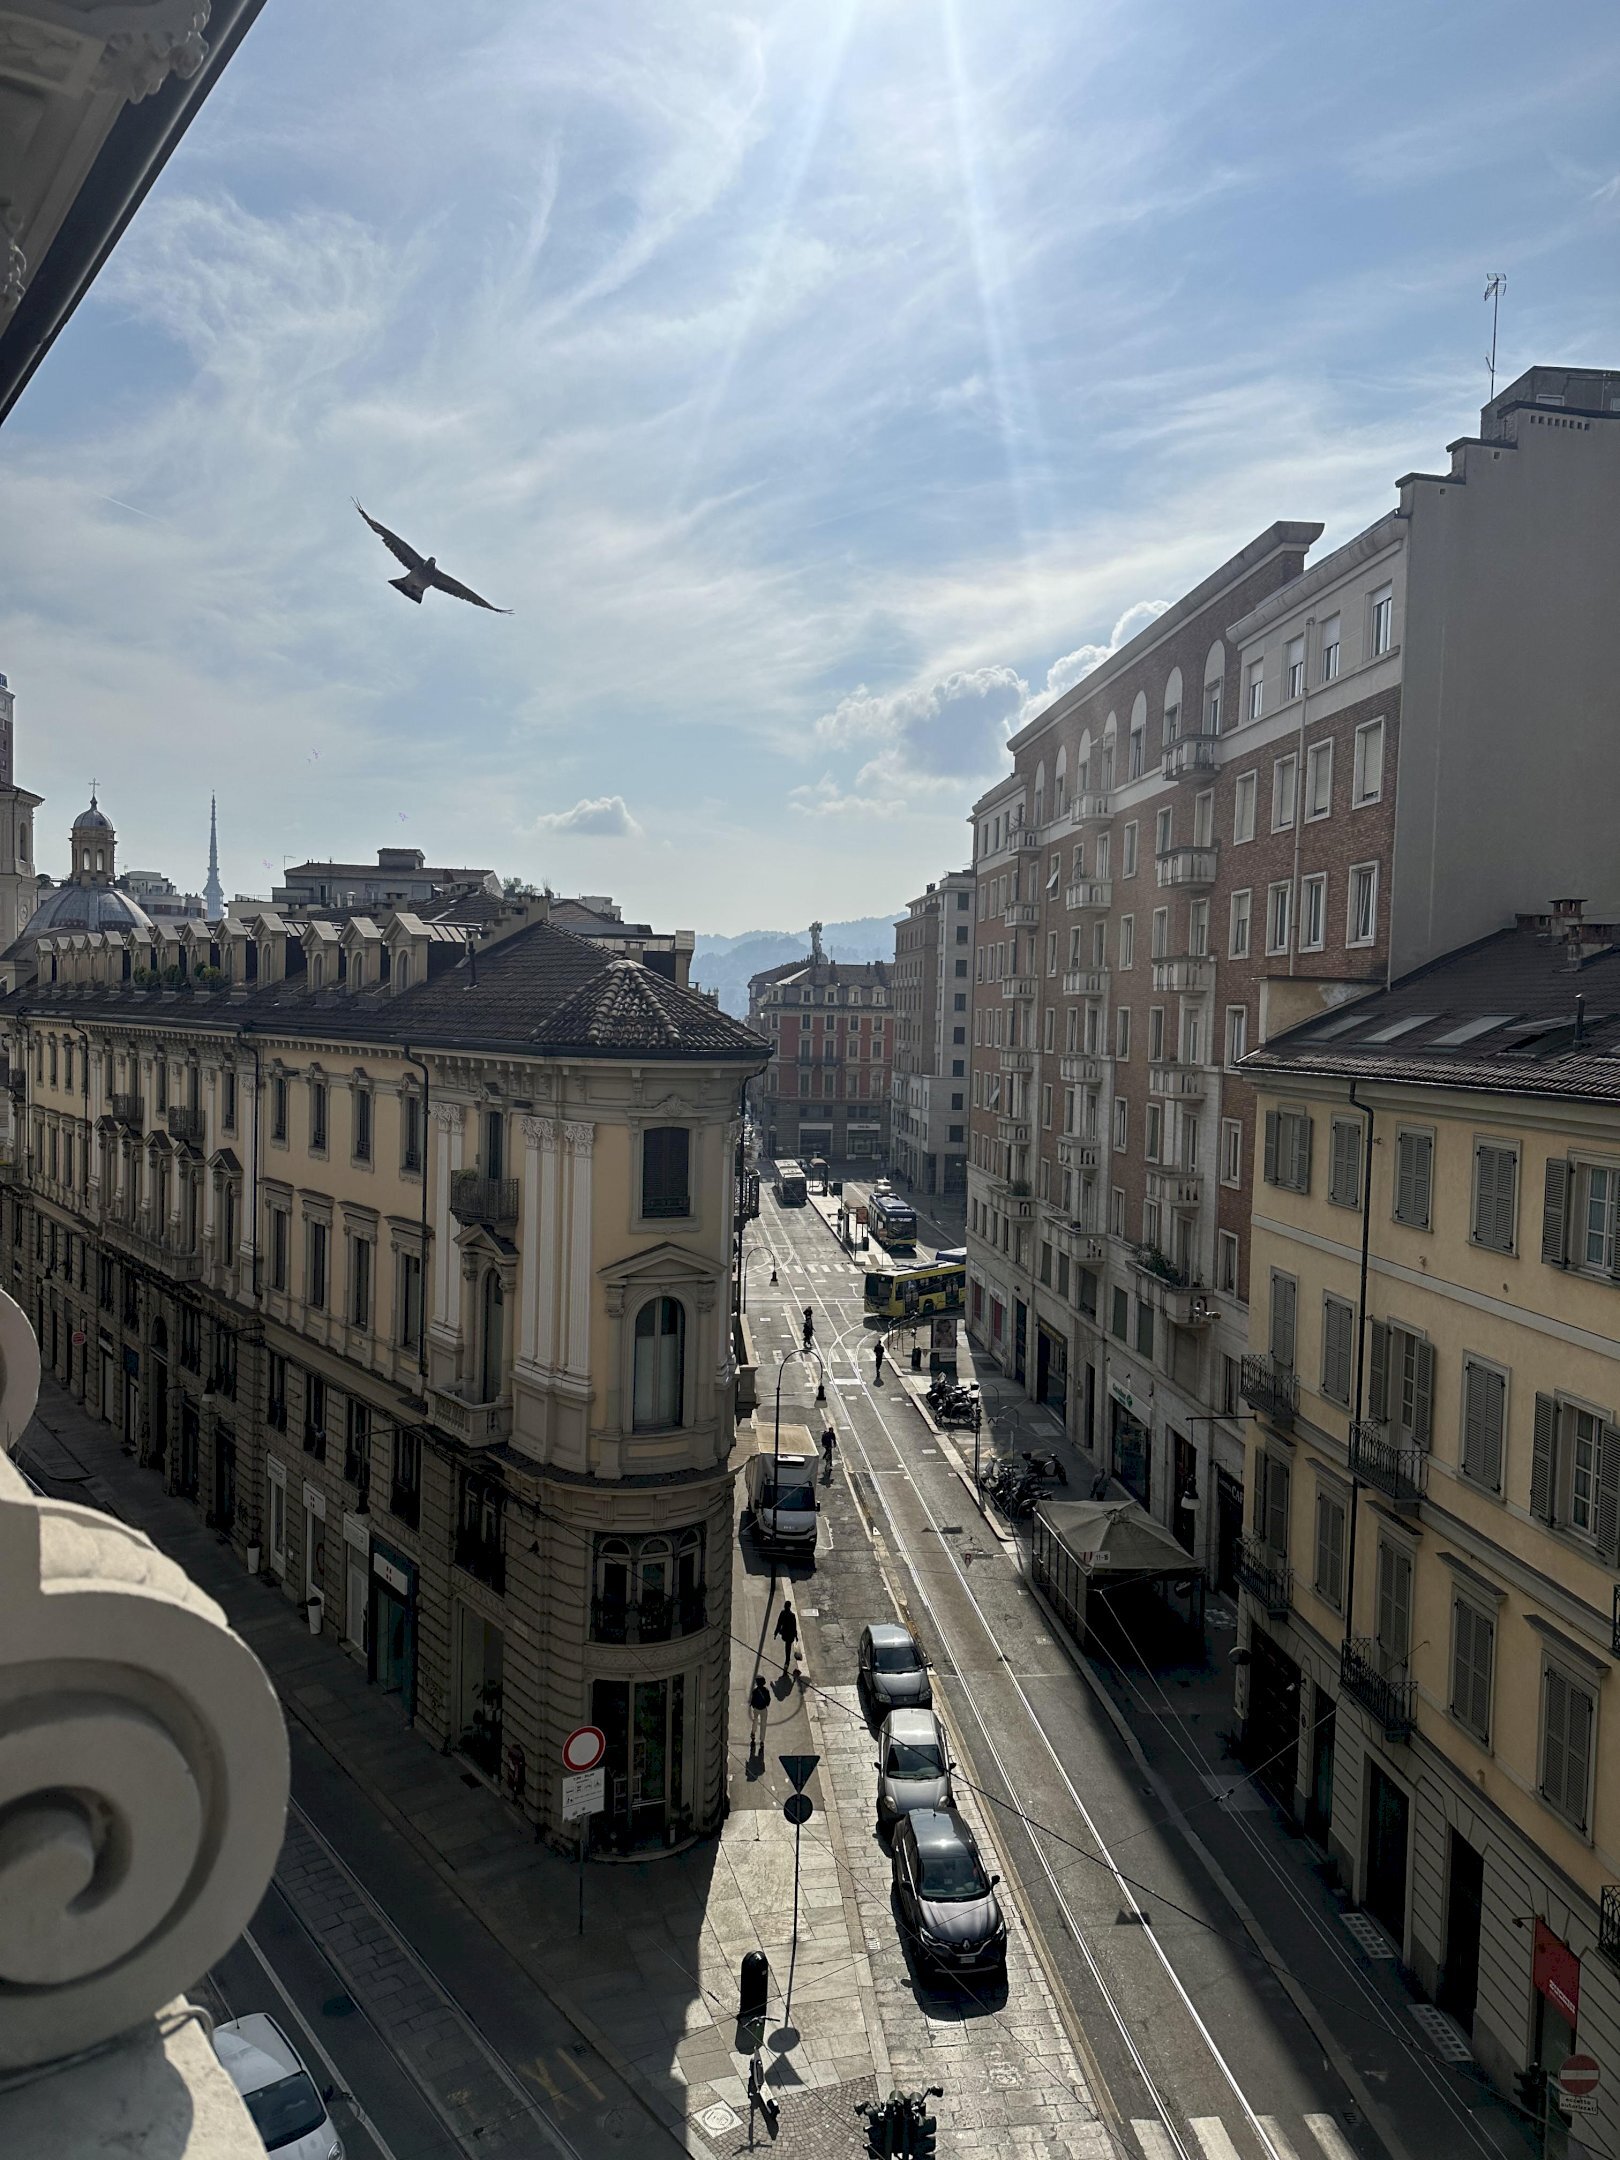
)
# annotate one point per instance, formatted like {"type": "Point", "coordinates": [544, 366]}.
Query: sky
{"type": "Point", "coordinates": [823, 385]}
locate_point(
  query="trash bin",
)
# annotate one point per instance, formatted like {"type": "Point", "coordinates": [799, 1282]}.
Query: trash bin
{"type": "Point", "coordinates": [916, 1357]}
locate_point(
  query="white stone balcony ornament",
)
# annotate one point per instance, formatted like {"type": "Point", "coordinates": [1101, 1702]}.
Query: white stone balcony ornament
{"type": "Point", "coordinates": [143, 1765]}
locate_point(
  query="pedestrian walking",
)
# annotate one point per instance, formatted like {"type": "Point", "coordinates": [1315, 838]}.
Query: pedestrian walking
{"type": "Point", "coordinates": [759, 1703]}
{"type": "Point", "coordinates": [829, 1448]}
{"type": "Point", "coordinates": [809, 1327]}
{"type": "Point", "coordinates": [877, 1359]}
{"type": "Point", "coordinates": [787, 1628]}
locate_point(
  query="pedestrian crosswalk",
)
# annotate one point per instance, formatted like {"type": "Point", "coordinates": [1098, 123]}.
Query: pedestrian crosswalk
{"type": "Point", "coordinates": [1207, 2137]}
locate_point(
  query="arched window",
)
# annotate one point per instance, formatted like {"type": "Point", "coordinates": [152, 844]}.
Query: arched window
{"type": "Point", "coordinates": [492, 1338]}
{"type": "Point", "coordinates": [1214, 670]}
{"type": "Point", "coordinates": [84, 855]}
{"type": "Point", "coordinates": [660, 1364]}
{"type": "Point", "coordinates": [317, 972]}
{"type": "Point", "coordinates": [22, 842]}
{"type": "Point", "coordinates": [1040, 793]}
{"type": "Point", "coordinates": [101, 860]}
{"type": "Point", "coordinates": [1172, 707]}
{"type": "Point", "coordinates": [402, 971]}
{"type": "Point", "coordinates": [1110, 744]}
{"type": "Point", "coordinates": [1060, 782]}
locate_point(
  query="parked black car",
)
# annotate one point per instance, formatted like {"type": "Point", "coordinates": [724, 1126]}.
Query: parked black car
{"type": "Point", "coordinates": [947, 1903]}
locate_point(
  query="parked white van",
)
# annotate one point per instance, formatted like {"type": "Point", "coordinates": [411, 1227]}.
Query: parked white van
{"type": "Point", "coordinates": [782, 1505]}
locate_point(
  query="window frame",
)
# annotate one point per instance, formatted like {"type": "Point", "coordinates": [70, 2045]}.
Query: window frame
{"type": "Point", "coordinates": [1466, 1469]}
{"type": "Point", "coordinates": [1313, 898]}
{"type": "Point", "coordinates": [1333, 1303]}
{"type": "Point", "coordinates": [1485, 1144]}
{"type": "Point", "coordinates": [1243, 917]}
{"type": "Point", "coordinates": [1245, 797]}
{"type": "Point", "coordinates": [1336, 1195]}
{"type": "Point", "coordinates": [1368, 732]}
{"type": "Point", "coordinates": [1279, 904]}
{"type": "Point", "coordinates": [1318, 758]}
{"type": "Point", "coordinates": [659, 1211]}
{"type": "Point", "coordinates": [1359, 874]}
{"type": "Point", "coordinates": [1484, 1681]}
{"type": "Point", "coordinates": [1330, 1501]}
{"type": "Point", "coordinates": [1563, 1671]}
{"type": "Point", "coordinates": [1231, 1157]}
{"type": "Point", "coordinates": [1425, 1222]}
{"type": "Point", "coordinates": [1285, 791]}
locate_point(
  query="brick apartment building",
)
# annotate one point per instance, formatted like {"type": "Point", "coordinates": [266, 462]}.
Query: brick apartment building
{"type": "Point", "coordinates": [830, 1027]}
{"type": "Point", "coordinates": [933, 991]}
{"type": "Point", "coordinates": [1205, 841]}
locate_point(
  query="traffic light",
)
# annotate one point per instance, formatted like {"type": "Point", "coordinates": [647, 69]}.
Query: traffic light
{"type": "Point", "coordinates": [923, 2128]}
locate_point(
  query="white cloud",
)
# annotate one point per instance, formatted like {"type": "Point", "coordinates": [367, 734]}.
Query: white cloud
{"type": "Point", "coordinates": [1074, 667]}
{"type": "Point", "coordinates": [601, 816]}
{"type": "Point", "coordinates": [931, 736]}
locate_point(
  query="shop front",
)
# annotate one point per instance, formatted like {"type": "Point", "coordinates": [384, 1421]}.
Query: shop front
{"type": "Point", "coordinates": [1555, 1973]}
{"type": "Point", "coordinates": [391, 1659]}
{"type": "Point", "coordinates": [649, 1802]}
{"type": "Point", "coordinates": [1051, 1368]}
{"type": "Point", "coordinates": [1130, 1444]}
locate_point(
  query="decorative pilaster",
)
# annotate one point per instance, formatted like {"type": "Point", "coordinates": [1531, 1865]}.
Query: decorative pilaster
{"type": "Point", "coordinates": [450, 1122]}
{"type": "Point", "coordinates": [534, 1273]}
{"type": "Point", "coordinates": [581, 1141]}
{"type": "Point", "coordinates": [545, 1347]}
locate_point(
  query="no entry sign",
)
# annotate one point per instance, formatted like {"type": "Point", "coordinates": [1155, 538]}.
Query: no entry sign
{"type": "Point", "coordinates": [584, 1749]}
{"type": "Point", "coordinates": [1578, 2077]}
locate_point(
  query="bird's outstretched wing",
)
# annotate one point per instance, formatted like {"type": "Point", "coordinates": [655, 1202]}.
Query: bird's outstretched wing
{"type": "Point", "coordinates": [400, 549]}
{"type": "Point", "coordinates": [464, 592]}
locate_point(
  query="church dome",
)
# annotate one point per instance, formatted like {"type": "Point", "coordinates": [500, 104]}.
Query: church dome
{"type": "Point", "coordinates": [86, 907]}
{"type": "Point", "coordinates": [94, 819]}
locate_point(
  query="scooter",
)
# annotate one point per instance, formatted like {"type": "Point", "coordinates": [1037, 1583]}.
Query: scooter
{"type": "Point", "coordinates": [1044, 1463]}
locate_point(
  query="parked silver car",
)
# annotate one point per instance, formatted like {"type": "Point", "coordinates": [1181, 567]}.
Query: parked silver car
{"type": "Point", "coordinates": [913, 1766]}
{"type": "Point", "coordinates": [892, 1669]}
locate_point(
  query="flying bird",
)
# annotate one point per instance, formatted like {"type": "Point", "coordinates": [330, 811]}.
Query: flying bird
{"type": "Point", "coordinates": [423, 570]}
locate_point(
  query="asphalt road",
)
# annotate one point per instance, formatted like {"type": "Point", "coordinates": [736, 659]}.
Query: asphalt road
{"type": "Point", "coordinates": [1194, 2043]}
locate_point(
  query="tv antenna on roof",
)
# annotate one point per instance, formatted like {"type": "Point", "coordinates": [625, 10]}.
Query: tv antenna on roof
{"type": "Point", "coordinates": [1495, 286]}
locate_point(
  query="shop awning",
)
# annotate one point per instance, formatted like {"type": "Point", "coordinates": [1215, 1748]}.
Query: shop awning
{"type": "Point", "coordinates": [1110, 1538]}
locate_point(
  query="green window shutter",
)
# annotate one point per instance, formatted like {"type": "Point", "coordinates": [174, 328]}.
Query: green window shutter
{"type": "Point", "coordinates": [1555, 1214]}
{"type": "Point", "coordinates": [1554, 1737]}
{"type": "Point", "coordinates": [1377, 1405]}
{"type": "Point", "coordinates": [1542, 1452]}
{"type": "Point", "coordinates": [1483, 1402]}
{"type": "Point", "coordinates": [1302, 1154]}
{"type": "Point", "coordinates": [1271, 1147]}
{"type": "Point", "coordinates": [1423, 1393]}
{"type": "Point", "coordinates": [1425, 1180]}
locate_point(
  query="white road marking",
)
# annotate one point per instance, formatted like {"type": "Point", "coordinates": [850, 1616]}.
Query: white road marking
{"type": "Point", "coordinates": [1212, 2134]}
{"type": "Point", "coordinates": [1154, 2139]}
{"type": "Point", "coordinates": [326, 2062]}
{"type": "Point", "coordinates": [1283, 2145]}
{"type": "Point", "coordinates": [1330, 2137]}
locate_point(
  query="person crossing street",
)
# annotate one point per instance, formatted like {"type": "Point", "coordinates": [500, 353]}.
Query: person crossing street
{"type": "Point", "coordinates": [809, 1327]}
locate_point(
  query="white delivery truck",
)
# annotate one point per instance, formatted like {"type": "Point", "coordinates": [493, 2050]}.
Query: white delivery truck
{"type": "Point", "coordinates": [782, 1505]}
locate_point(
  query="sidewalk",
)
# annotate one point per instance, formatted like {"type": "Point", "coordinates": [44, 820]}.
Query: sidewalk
{"type": "Point", "coordinates": [1397, 2053]}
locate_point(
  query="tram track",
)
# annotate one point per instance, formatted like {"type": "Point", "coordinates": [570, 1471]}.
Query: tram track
{"type": "Point", "coordinates": [1175, 2126]}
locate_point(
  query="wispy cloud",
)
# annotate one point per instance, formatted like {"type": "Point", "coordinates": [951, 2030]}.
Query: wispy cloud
{"type": "Point", "coordinates": [826, 389]}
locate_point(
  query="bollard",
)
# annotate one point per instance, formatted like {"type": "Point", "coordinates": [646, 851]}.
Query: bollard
{"type": "Point", "coordinates": [756, 1988]}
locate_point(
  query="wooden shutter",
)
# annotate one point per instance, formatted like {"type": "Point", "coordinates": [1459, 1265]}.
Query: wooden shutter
{"type": "Point", "coordinates": [1283, 1311]}
{"type": "Point", "coordinates": [1608, 1494]}
{"type": "Point", "coordinates": [1495, 1176]}
{"type": "Point", "coordinates": [1422, 1426]}
{"type": "Point", "coordinates": [1543, 1450]}
{"type": "Point", "coordinates": [1277, 1507]}
{"type": "Point", "coordinates": [1271, 1147]}
{"type": "Point", "coordinates": [1471, 1666]}
{"type": "Point", "coordinates": [1483, 1402]}
{"type": "Point", "coordinates": [1378, 1379]}
{"type": "Point", "coordinates": [1329, 1548]}
{"type": "Point", "coordinates": [1554, 1736]}
{"type": "Point", "coordinates": [1555, 1213]}
{"type": "Point", "coordinates": [1393, 1625]}
{"type": "Point", "coordinates": [1302, 1154]}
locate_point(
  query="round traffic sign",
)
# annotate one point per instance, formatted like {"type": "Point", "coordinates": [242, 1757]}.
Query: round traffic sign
{"type": "Point", "coordinates": [798, 1807]}
{"type": "Point", "coordinates": [1578, 2074]}
{"type": "Point", "coordinates": [584, 1748]}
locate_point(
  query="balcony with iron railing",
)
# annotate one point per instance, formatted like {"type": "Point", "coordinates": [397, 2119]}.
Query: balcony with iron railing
{"type": "Point", "coordinates": [1091, 807]}
{"type": "Point", "coordinates": [1022, 915]}
{"type": "Point", "coordinates": [1269, 1386]}
{"type": "Point", "coordinates": [652, 1619]}
{"type": "Point", "coordinates": [1380, 1685]}
{"type": "Point", "coordinates": [1400, 1473]}
{"type": "Point", "coordinates": [1086, 982]}
{"type": "Point", "coordinates": [1188, 869]}
{"type": "Point", "coordinates": [1018, 986]}
{"type": "Point", "coordinates": [1090, 893]}
{"type": "Point", "coordinates": [1190, 754]}
{"type": "Point", "coordinates": [1180, 1083]}
{"type": "Point", "coordinates": [1187, 974]}
{"type": "Point", "coordinates": [159, 1253]}
{"type": "Point", "coordinates": [185, 1123]}
{"type": "Point", "coordinates": [481, 1556]}
{"type": "Point", "coordinates": [1609, 1922]}
{"type": "Point", "coordinates": [129, 1110]}
{"type": "Point", "coordinates": [1080, 1068]}
{"type": "Point", "coordinates": [475, 1199]}
{"type": "Point", "coordinates": [1266, 1576]}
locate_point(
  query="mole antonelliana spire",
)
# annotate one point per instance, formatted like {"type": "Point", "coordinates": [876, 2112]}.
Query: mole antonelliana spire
{"type": "Point", "coordinates": [213, 891]}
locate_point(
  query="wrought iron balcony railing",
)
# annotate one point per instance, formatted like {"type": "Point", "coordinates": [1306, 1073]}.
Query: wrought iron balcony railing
{"type": "Point", "coordinates": [1269, 1386]}
{"type": "Point", "coordinates": [475, 1199]}
{"type": "Point", "coordinates": [1401, 1473]}
{"type": "Point", "coordinates": [653, 1619]}
{"type": "Point", "coordinates": [1390, 1695]}
{"type": "Point", "coordinates": [185, 1124]}
{"type": "Point", "coordinates": [1266, 1576]}
{"type": "Point", "coordinates": [129, 1110]}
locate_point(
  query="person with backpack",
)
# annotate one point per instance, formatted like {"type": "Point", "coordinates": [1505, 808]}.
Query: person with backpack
{"type": "Point", "coordinates": [759, 1703]}
{"type": "Point", "coordinates": [787, 1629]}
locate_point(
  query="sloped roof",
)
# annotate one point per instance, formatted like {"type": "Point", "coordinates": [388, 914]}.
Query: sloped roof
{"type": "Point", "coordinates": [542, 991]}
{"type": "Point", "coordinates": [1509, 1014]}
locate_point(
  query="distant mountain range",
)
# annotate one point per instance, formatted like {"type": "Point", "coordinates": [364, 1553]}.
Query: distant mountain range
{"type": "Point", "coordinates": [725, 963]}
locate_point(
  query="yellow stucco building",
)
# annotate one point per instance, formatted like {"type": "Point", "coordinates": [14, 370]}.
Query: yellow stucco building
{"type": "Point", "coordinates": [403, 1250]}
{"type": "Point", "coordinates": [1430, 1619]}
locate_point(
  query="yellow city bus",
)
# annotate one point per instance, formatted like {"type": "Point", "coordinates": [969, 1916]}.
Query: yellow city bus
{"type": "Point", "coordinates": [916, 1293]}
